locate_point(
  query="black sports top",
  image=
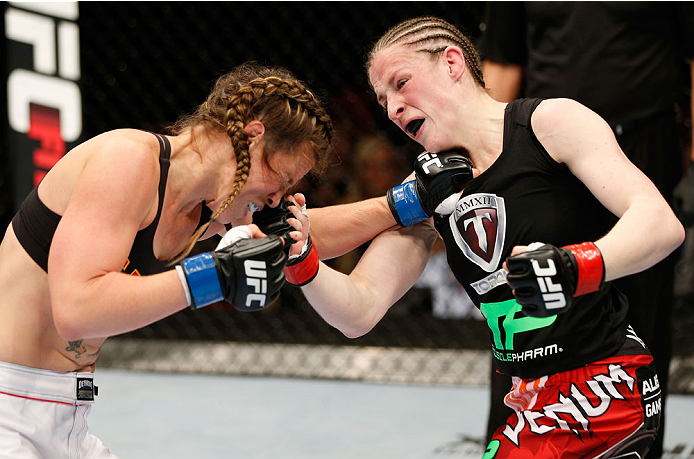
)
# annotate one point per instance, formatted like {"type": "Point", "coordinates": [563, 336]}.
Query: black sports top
{"type": "Point", "coordinates": [35, 224]}
{"type": "Point", "coordinates": [525, 197]}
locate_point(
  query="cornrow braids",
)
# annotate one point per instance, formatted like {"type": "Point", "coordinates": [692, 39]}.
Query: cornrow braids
{"type": "Point", "coordinates": [293, 117]}
{"type": "Point", "coordinates": [430, 35]}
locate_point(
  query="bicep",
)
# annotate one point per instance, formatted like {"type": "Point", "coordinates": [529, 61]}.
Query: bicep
{"type": "Point", "coordinates": [395, 259]}
{"type": "Point", "coordinates": [108, 205]}
{"type": "Point", "coordinates": [354, 303]}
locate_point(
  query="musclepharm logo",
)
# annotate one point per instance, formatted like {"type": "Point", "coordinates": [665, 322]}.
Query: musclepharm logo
{"type": "Point", "coordinates": [256, 277]}
{"type": "Point", "coordinates": [478, 225]}
{"type": "Point", "coordinates": [552, 293]}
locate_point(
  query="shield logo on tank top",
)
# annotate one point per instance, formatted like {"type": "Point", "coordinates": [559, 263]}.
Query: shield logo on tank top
{"type": "Point", "coordinates": [478, 224]}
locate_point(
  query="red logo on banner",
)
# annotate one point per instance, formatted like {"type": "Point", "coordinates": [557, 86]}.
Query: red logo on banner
{"type": "Point", "coordinates": [44, 126]}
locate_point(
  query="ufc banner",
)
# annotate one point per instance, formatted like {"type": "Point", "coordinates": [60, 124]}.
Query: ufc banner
{"type": "Point", "coordinates": [44, 102]}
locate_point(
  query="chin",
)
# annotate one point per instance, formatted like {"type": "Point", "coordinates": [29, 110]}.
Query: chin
{"type": "Point", "coordinates": [430, 146]}
{"type": "Point", "coordinates": [247, 219]}
{"type": "Point", "coordinates": [436, 147]}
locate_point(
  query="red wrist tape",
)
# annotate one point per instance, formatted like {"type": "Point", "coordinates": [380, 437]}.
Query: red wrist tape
{"type": "Point", "coordinates": [591, 268]}
{"type": "Point", "coordinates": [304, 271]}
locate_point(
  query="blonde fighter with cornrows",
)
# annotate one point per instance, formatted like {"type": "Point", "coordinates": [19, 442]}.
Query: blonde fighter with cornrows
{"type": "Point", "coordinates": [521, 194]}
{"type": "Point", "coordinates": [92, 251]}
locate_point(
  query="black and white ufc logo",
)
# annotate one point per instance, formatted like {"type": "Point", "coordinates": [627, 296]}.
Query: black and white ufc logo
{"type": "Point", "coordinates": [430, 159]}
{"type": "Point", "coordinates": [256, 278]}
{"type": "Point", "coordinates": [552, 294]}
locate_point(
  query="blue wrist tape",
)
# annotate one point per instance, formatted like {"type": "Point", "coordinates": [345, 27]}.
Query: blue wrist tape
{"type": "Point", "coordinates": [203, 281]}
{"type": "Point", "coordinates": [407, 204]}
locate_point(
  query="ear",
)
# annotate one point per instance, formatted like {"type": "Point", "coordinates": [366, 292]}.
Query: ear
{"type": "Point", "coordinates": [255, 130]}
{"type": "Point", "coordinates": [455, 60]}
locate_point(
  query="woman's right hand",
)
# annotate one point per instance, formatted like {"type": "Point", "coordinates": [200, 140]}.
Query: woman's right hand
{"type": "Point", "coordinates": [300, 223]}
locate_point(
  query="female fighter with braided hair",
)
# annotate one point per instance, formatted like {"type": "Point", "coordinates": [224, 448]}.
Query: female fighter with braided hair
{"type": "Point", "coordinates": [92, 251]}
{"type": "Point", "coordinates": [528, 237]}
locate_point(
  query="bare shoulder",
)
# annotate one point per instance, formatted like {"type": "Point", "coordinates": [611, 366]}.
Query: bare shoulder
{"type": "Point", "coordinates": [564, 127]}
{"type": "Point", "coordinates": [124, 158]}
{"type": "Point", "coordinates": [129, 152]}
{"type": "Point", "coordinates": [557, 113]}
{"type": "Point", "coordinates": [124, 143]}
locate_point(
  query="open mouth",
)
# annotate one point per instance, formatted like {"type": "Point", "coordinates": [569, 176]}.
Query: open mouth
{"type": "Point", "coordinates": [252, 207]}
{"type": "Point", "coordinates": [413, 127]}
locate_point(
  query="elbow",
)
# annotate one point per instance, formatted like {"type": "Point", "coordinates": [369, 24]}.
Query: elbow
{"type": "Point", "coordinates": [679, 234]}
{"type": "Point", "coordinates": [67, 329]}
{"type": "Point", "coordinates": [67, 326]}
{"type": "Point", "coordinates": [353, 333]}
{"type": "Point", "coordinates": [68, 319]}
{"type": "Point", "coordinates": [357, 327]}
{"type": "Point", "coordinates": [361, 323]}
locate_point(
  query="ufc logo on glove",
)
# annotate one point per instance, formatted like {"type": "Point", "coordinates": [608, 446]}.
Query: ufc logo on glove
{"type": "Point", "coordinates": [429, 159]}
{"type": "Point", "coordinates": [552, 293]}
{"type": "Point", "coordinates": [256, 277]}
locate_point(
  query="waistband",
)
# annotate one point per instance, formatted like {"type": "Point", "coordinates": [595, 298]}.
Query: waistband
{"type": "Point", "coordinates": [71, 388]}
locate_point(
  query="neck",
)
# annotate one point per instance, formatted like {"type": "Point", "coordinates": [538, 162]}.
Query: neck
{"type": "Point", "coordinates": [482, 134]}
{"type": "Point", "coordinates": [200, 170]}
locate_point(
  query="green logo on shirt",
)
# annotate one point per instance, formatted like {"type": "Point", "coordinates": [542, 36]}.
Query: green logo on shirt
{"type": "Point", "coordinates": [502, 321]}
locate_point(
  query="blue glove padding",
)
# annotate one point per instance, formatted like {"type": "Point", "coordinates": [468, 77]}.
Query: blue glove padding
{"type": "Point", "coordinates": [248, 274]}
{"type": "Point", "coordinates": [405, 205]}
{"type": "Point", "coordinates": [203, 281]}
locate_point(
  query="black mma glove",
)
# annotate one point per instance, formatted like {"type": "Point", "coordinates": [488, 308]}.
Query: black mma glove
{"type": "Point", "coordinates": [273, 220]}
{"type": "Point", "coordinates": [248, 274]}
{"type": "Point", "coordinates": [546, 279]}
{"type": "Point", "coordinates": [303, 268]}
{"type": "Point", "coordinates": [439, 179]}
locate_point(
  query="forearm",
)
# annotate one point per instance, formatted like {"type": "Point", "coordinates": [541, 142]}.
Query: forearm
{"type": "Point", "coordinates": [393, 262]}
{"type": "Point", "coordinates": [645, 234]}
{"type": "Point", "coordinates": [336, 230]}
{"type": "Point", "coordinates": [116, 303]}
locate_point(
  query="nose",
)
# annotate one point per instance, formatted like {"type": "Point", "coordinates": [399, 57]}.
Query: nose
{"type": "Point", "coordinates": [274, 199]}
{"type": "Point", "coordinates": [395, 108]}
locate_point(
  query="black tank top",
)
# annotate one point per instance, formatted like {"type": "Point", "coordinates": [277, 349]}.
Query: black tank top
{"type": "Point", "coordinates": [35, 224]}
{"type": "Point", "coordinates": [525, 197]}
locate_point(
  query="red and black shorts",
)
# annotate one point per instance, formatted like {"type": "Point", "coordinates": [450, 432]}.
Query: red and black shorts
{"type": "Point", "coordinates": [606, 409]}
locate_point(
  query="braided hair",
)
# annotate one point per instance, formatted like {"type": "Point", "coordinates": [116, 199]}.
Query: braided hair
{"type": "Point", "coordinates": [430, 35]}
{"type": "Point", "coordinates": [292, 114]}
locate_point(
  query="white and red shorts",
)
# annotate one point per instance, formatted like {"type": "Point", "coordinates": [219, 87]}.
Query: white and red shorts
{"type": "Point", "coordinates": [606, 409]}
{"type": "Point", "coordinates": [43, 414]}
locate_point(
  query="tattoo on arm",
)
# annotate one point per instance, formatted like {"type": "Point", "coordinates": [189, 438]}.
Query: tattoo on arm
{"type": "Point", "coordinates": [77, 347]}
